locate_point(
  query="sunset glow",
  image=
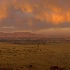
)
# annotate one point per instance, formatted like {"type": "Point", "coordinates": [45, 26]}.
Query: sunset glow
{"type": "Point", "coordinates": [33, 14]}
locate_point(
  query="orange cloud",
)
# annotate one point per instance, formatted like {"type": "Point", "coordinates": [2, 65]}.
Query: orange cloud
{"type": "Point", "coordinates": [3, 10]}
{"type": "Point", "coordinates": [3, 14]}
{"type": "Point", "coordinates": [57, 18]}
{"type": "Point", "coordinates": [23, 6]}
{"type": "Point", "coordinates": [44, 10]}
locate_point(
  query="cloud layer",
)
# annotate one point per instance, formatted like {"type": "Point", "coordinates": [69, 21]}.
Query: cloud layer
{"type": "Point", "coordinates": [34, 15]}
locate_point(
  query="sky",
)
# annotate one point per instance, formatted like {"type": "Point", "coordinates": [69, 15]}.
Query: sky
{"type": "Point", "coordinates": [39, 16]}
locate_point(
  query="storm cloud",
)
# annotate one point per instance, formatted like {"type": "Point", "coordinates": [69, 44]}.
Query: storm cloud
{"type": "Point", "coordinates": [34, 15]}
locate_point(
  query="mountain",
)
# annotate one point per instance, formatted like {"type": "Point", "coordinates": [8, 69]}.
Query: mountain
{"type": "Point", "coordinates": [23, 35]}
{"type": "Point", "coordinates": [29, 35]}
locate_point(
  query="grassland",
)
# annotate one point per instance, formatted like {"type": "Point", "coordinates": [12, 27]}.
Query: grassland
{"type": "Point", "coordinates": [34, 57]}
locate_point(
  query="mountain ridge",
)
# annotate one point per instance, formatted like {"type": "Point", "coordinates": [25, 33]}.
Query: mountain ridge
{"type": "Point", "coordinates": [29, 35]}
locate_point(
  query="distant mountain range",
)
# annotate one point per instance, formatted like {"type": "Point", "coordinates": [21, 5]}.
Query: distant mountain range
{"type": "Point", "coordinates": [21, 35]}
{"type": "Point", "coordinates": [29, 35]}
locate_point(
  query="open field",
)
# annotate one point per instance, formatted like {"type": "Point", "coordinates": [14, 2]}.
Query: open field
{"type": "Point", "coordinates": [34, 57]}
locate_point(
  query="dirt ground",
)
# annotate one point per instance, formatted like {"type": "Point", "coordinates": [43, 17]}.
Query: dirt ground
{"type": "Point", "coordinates": [34, 57]}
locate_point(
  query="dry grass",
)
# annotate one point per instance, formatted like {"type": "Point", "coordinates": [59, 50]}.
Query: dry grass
{"type": "Point", "coordinates": [34, 57]}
